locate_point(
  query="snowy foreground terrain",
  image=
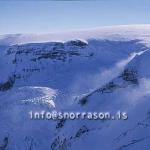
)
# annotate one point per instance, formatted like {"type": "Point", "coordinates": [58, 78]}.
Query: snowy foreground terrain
{"type": "Point", "coordinates": [100, 70]}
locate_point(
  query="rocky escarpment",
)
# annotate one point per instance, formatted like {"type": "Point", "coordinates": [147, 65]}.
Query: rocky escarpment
{"type": "Point", "coordinates": [7, 84]}
{"type": "Point", "coordinates": [53, 51]}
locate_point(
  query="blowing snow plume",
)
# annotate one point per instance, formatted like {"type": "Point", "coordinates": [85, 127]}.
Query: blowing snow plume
{"type": "Point", "coordinates": [100, 79]}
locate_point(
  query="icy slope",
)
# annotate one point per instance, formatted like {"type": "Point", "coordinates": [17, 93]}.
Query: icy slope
{"type": "Point", "coordinates": [17, 130]}
{"type": "Point", "coordinates": [129, 92]}
{"type": "Point", "coordinates": [103, 69]}
{"type": "Point", "coordinates": [66, 66]}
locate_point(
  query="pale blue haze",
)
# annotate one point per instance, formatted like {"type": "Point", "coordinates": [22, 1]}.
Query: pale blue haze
{"type": "Point", "coordinates": [55, 16]}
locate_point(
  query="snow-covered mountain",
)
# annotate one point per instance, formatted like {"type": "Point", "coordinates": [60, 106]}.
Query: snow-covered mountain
{"type": "Point", "coordinates": [99, 70]}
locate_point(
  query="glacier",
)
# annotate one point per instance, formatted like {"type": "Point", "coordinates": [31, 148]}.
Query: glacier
{"type": "Point", "coordinates": [102, 69]}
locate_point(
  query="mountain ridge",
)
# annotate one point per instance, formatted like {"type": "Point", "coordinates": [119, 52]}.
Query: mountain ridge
{"type": "Point", "coordinates": [120, 32]}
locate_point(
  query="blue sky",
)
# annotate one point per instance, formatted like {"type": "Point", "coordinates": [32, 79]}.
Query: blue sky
{"type": "Point", "coordinates": [47, 16]}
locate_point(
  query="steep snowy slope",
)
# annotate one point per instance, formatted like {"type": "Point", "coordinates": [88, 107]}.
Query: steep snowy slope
{"type": "Point", "coordinates": [104, 69]}
{"type": "Point", "coordinates": [129, 92]}
{"type": "Point", "coordinates": [17, 131]}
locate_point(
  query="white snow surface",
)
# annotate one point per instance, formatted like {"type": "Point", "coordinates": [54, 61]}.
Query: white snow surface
{"type": "Point", "coordinates": [103, 69]}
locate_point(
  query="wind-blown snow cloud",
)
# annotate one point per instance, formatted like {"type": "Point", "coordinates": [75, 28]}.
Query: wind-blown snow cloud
{"type": "Point", "coordinates": [92, 82]}
{"type": "Point", "coordinates": [134, 95]}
